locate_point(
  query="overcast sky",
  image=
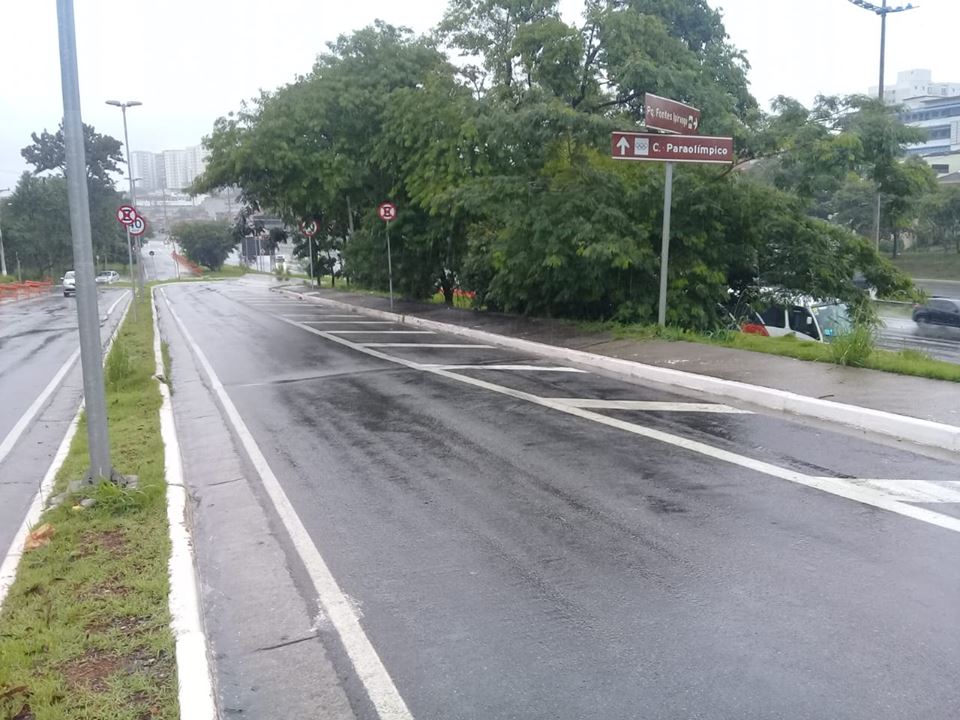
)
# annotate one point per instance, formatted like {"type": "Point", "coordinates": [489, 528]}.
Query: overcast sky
{"type": "Point", "coordinates": [190, 61]}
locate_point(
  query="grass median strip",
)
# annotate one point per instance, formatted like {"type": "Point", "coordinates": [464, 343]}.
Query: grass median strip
{"type": "Point", "coordinates": [85, 629]}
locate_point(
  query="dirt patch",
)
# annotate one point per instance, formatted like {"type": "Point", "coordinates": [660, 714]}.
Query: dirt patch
{"type": "Point", "coordinates": [130, 626]}
{"type": "Point", "coordinates": [91, 671]}
{"type": "Point", "coordinates": [112, 541]}
{"type": "Point", "coordinates": [111, 587]}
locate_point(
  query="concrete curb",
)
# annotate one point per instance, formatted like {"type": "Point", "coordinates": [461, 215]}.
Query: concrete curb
{"type": "Point", "coordinates": [900, 427]}
{"type": "Point", "coordinates": [194, 680]}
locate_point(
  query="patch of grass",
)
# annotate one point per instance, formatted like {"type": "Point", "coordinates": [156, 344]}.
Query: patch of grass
{"type": "Point", "coordinates": [930, 265]}
{"type": "Point", "coordinates": [228, 271]}
{"type": "Point", "coordinates": [7, 279]}
{"type": "Point", "coordinates": [84, 632]}
{"type": "Point", "coordinates": [856, 349]}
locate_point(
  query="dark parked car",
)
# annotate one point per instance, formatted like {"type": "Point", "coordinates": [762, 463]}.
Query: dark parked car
{"type": "Point", "coordinates": [938, 311]}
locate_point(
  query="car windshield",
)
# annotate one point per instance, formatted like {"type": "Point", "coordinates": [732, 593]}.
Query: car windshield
{"type": "Point", "coordinates": [834, 319]}
{"type": "Point", "coordinates": [69, 274]}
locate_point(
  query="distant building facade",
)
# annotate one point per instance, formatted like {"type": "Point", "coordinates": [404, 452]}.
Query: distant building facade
{"type": "Point", "coordinates": [170, 170]}
{"type": "Point", "coordinates": [182, 167]}
{"type": "Point", "coordinates": [935, 108]}
{"type": "Point", "coordinates": [148, 167]}
{"type": "Point", "coordinates": [913, 84]}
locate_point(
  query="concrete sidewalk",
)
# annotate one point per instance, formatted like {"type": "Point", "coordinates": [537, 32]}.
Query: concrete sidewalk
{"type": "Point", "coordinates": [933, 400]}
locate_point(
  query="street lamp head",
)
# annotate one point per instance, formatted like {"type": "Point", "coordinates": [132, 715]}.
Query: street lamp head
{"type": "Point", "coordinates": [115, 103]}
{"type": "Point", "coordinates": [133, 103]}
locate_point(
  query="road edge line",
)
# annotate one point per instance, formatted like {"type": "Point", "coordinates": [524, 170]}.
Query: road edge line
{"type": "Point", "coordinates": [11, 561]}
{"type": "Point", "coordinates": [341, 613]}
{"type": "Point", "coordinates": [900, 427]}
{"type": "Point", "coordinates": [195, 693]}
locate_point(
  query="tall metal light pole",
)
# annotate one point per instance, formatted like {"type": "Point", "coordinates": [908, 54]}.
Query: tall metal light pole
{"type": "Point", "coordinates": [133, 194]}
{"type": "Point", "coordinates": [88, 317]}
{"type": "Point", "coordinates": [882, 10]}
{"type": "Point", "coordinates": [3, 257]}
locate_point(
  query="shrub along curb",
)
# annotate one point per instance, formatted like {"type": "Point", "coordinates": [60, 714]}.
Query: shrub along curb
{"type": "Point", "coordinates": [86, 626]}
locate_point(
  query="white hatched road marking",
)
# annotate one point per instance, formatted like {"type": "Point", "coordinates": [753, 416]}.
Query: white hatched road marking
{"type": "Point", "coordinates": [370, 670]}
{"type": "Point", "coordinates": [423, 345]}
{"type": "Point", "coordinates": [516, 368]}
{"type": "Point", "coordinates": [381, 332]}
{"type": "Point", "coordinates": [841, 487]}
{"type": "Point", "coordinates": [593, 404]}
{"type": "Point", "coordinates": [341, 322]}
{"type": "Point", "coordinates": [917, 491]}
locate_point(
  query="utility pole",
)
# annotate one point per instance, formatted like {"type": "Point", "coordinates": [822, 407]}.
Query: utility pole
{"type": "Point", "coordinates": [88, 317]}
{"type": "Point", "coordinates": [882, 10]}
{"type": "Point", "coordinates": [138, 281]}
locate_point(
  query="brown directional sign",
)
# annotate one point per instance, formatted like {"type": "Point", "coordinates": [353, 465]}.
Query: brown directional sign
{"type": "Point", "coordinates": [670, 116]}
{"type": "Point", "coordinates": [672, 148]}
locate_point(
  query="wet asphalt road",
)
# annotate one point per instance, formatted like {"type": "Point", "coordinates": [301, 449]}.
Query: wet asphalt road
{"type": "Point", "coordinates": [511, 561]}
{"type": "Point", "coordinates": [160, 265]}
{"type": "Point", "coordinates": [37, 338]}
{"type": "Point", "coordinates": [939, 342]}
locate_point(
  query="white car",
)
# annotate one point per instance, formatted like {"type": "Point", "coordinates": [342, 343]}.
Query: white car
{"type": "Point", "coordinates": [69, 283]}
{"type": "Point", "coordinates": [107, 277]}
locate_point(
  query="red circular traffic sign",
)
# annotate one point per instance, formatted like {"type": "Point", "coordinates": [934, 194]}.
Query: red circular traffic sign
{"type": "Point", "coordinates": [310, 228]}
{"type": "Point", "coordinates": [127, 214]}
{"type": "Point", "coordinates": [387, 211]}
{"type": "Point", "coordinates": [138, 226]}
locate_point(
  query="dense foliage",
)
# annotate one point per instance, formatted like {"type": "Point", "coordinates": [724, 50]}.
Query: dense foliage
{"type": "Point", "coordinates": [502, 171]}
{"type": "Point", "coordinates": [36, 216]}
{"type": "Point", "coordinates": [205, 242]}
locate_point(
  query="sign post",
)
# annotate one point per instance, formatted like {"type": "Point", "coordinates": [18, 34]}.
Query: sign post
{"type": "Point", "coordinates": [126, 214]}
{"type": "Point", "coordinates": [670, 117]}
{"type": "Point", "coordinates": [665, 245]}
{"type": "Point", "coordinates": [310, 229]}
{"type": "Point", "coordinates": [388, 213]}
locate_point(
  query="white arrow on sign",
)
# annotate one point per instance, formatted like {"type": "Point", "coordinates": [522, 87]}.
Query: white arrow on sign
{"type": "Point", "coordinates": [623, 146]}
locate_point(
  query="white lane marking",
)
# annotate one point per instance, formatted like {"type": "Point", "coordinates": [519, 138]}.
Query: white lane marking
{"type": "Point", "coordinates": [367, 664]}
{"type": "Point", "coordinates": [382, 332]}
{"type": "Point", "coordinates": [194, 684]}
{"type": "Point", "coordinates": [524, 368]}
{"type": "Point", "coordinates": [916, 491]}
{"type": "Point", "coordinates": [426, 345]}
{"type": "Point", "coordinates": [324, 315]}
{"type": "Point", "coordinates": [835, 486]}
{"type": "Point", "coordinates": [14, 435]}
{"type": "Point", "coordinates": [8, 569]}
{"type": "Point", "coordinates": [592, 404]}
{"type": "Point", "coordinates": [17, 430]}
{"type": "Point", "coordinates": [340, 322]}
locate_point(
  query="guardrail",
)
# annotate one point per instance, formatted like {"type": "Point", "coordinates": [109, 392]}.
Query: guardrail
{"type": "Point", "coordinates": [11, 292]}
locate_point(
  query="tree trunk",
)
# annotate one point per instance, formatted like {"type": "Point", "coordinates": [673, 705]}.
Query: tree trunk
{"type": "Point", "coordinates": [446, 287]}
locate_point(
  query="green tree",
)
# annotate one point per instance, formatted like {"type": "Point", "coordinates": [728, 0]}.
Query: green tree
{"type": "Point", "coordinates": [939, 225]}
{"type": "Point", "coordinates": [205, 242]}
{"type": "Point", "coordinates": [36, 226]}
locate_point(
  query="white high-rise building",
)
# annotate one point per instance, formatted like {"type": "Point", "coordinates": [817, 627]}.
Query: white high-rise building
{"type": "Point", "coordinates": [147, 166]}
{"type": "Point", "coordinates": [912, 84]}
{"type": "Point", "coordinates": [181, 167]}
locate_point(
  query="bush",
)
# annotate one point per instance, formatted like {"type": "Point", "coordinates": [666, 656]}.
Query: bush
{"type": "Point", "coordinates": [855, 347]}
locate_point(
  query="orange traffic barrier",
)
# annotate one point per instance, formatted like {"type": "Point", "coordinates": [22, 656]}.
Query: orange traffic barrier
{"type": "Point", "coordinates": [21, 291]}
